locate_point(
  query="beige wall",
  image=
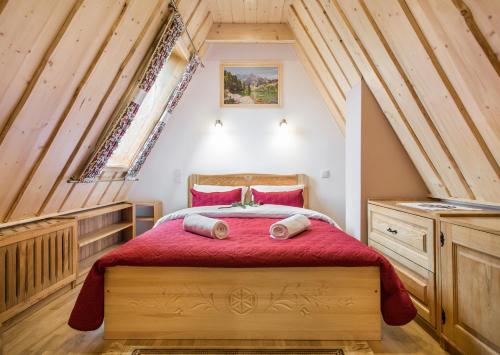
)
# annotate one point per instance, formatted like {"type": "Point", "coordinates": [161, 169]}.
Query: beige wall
{"type": "Point", "coordinates": [377, 165]}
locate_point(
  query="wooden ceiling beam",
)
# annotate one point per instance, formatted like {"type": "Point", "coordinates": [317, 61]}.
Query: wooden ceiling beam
{"type": "Point", "coordinates": [385, 98]}
{"type": "Point", "coordinates": [154, 18]}
{"type": "Point", "coordinates": [416, 112]}
{"type": "Point", "coordinates": [38, 72]}
{"type": "Point", "coordinates": [467, 144]}
{"type": "Point", "coordinates": [250, 33]}
{"type": "Point", "coordinates": [64, 115]}
{"type": "Point", "coordinates": [337, 102]}
{"type": "Point", "coordinates": [320, 44]}
{"type": "Point", "coordinates": [335, 43]}
{"type": "Point", "coordinates": [476, 32]}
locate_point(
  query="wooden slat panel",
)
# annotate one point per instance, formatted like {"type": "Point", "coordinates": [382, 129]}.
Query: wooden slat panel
{"type": "Point", "coordinates": [59, 255]}
{"type": "Point", "coordinates": [30, 279]}
{"type": "Point", "coordinates": [485, 13]}
{"type": "Point", "coordinates": [57, 81]}
{"type": "Point", "coordinates": [38, 264]}
{"type": "Point", "coordinates": [21, 271]}
{"type": "Point", "coordinates": [24, 263]}
{"type": "Point", "coordinates": [52, 257]}
{"type": "Point", "coordinates": [469, 121]}
{"type": "Point", "coordinates": [111, 192]}
{"type": "Point", "coordinates": [237, 11]}
{"type": "Point", "coordinates": [402, 90]}
{"type": "Point", "coordinates": [335, 43]}
{"type": "Point", "coordinates": [3, 284]}
{"type": "Point", "coordinates": [66, 253]}
{"type": "Point", "coordinates": [385, 99]}
{"type": "Point", "coordinates": [249, 33]}
{"type": "Point", "coordinates": [123, 193]}
{"type": "Point", "coordinates": [316, 60]}
{"type": "Point", "coordinates": [81, 106]}
{"type": "Point", "coordinates": [107, 104]}
{"type": "Point", "coordinates": [263, 11]}
{"type": "Point", "coordinates": [96, 194]}
{"type": "Point", "coordinates": [11, 275]}
{"type": "Point", "coordinates": [275, 10]}
{"type": "Point", "coordinates": [46, 260]}
{"type": "Point", "coordinates": [36, 23]}
{"type": "Point", "coordinates": [317, 38]}
{"type": "Point", "coordinates": [250, 11]}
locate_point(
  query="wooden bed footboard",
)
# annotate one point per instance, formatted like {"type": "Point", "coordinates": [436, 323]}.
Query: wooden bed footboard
{"type": "Point", "coordinates": [321, 303]}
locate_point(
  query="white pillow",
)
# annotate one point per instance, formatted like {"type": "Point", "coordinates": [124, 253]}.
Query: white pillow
{"type": "Point", "coordinates": [220, 188]}
{"type": "Point", "coordinates": [276, 188]}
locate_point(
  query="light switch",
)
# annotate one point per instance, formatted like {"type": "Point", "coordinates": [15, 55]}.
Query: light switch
{"type": "Point", "coordinates": [324, 173]}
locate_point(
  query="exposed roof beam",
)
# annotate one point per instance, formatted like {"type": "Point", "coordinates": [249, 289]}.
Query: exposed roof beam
{"type": "Point", "coordinates": [250, 33]}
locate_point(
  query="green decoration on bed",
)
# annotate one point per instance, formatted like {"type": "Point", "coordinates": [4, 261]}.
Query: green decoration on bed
{"type": "Point", "coordinates": [242, 205]}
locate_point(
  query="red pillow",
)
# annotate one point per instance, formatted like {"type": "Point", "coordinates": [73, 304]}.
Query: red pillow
{"type": "Point", "coordinates": [287, 198]}
{"type": "Point", "coordinates": [215, 198]}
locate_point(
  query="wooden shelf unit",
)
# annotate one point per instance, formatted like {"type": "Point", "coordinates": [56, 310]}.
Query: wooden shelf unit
{"type": "Point", "coordinates": [101, 230]}
{"type": "Point", "coordinates": [147, 213]}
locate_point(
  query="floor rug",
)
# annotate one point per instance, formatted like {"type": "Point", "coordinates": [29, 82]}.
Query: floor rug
{"type": "Point", "coordinates": [239, 352]}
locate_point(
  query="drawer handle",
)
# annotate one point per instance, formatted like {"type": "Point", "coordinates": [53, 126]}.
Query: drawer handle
{"type": "Point", "coordinates": [393, 231]}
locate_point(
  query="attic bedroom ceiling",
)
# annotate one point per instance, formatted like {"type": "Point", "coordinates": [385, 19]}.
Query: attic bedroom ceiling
{"type": "Point", "coordinates": [66, 66]}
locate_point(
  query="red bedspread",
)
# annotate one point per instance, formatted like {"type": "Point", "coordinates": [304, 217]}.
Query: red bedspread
{"type": "Point", "coordinates": [248, 245]}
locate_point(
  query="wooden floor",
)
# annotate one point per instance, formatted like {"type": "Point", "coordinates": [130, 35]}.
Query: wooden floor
{"type": "Point", "coordinates": [46, 332]}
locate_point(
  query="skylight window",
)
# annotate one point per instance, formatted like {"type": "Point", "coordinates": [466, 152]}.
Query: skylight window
{"type": "Point", "coordinates": [149, 113]}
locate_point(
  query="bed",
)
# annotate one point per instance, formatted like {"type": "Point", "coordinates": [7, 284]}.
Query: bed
{"type": "Point", "coordinates": [167, 284]}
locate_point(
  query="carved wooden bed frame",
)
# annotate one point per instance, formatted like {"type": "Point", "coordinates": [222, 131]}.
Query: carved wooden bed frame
{"type": "Point", "coordinates": [300, 303]}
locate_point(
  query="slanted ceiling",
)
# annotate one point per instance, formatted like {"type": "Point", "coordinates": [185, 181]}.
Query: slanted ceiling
{"type": "Point", "coordinates": [66, 66]}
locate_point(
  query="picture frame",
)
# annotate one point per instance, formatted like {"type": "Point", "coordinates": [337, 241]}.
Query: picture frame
{"type": "Point", "coordinates": [251, 84]}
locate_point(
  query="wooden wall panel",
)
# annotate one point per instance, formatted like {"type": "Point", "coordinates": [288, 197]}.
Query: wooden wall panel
{"type": "Point", "coordinates": [403, 92]}
{"type": "Point", "coordinates": [83, 105]}
{"type": "Point", "coordinates": [28, 28]}
{"type": "Point", "coordinates": [486, 14]}
{"type": "Point", "coordinates": [121, 81]}
{"type": "Point", "coordinates": [385, 98]}
{"type": "Point", "coordinates": [429, 65]}
{"type": "Point", "coordinates": [318, 62]}
{"type": "Point", "coordinates": [474, 85]}
{"type": "Point", "coordinates": [34, 118]}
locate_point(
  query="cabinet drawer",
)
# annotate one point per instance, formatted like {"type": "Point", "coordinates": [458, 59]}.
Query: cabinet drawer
{"type": "Point", "coordinates": [408, 235]}
{"type": "Point", "coordinates": [419, 282]}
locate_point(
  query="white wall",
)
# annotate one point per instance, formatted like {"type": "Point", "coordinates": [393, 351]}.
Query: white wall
{"type": "Point", "coordinates": [251, 140]}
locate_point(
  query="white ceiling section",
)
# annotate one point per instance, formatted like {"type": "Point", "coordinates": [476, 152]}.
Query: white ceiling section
{"type": "Point", "coordinates": [65, 66]}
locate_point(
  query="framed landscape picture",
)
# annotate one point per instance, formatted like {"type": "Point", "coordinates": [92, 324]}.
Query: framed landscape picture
{"type": "Point", "coordinates": [250, 84]}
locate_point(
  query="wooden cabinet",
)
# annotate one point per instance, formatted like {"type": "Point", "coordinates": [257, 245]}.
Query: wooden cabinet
{"type": "Point", "coordinates": [470, 282]}
{"type": "Point", "coordinates": [408, 241]}
{"type": "Point", "coordinates": [449, 261]}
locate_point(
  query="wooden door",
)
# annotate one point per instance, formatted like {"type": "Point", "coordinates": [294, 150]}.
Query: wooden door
{"type": "Point", "coordinates": [471, 289]}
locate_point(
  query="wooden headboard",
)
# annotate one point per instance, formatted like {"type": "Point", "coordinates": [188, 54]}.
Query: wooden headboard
{"type": "Point", "coordinates": [247, 180]}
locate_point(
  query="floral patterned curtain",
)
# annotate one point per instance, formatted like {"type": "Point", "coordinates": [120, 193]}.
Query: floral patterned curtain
{"type": "Point", "coordinates": [170, 33]}
{"type": "Point", "coordinates": [158, 128]}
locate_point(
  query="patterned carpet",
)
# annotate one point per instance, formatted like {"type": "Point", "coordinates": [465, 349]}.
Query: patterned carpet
{"type": "Point", "coordinates": [239, 352]}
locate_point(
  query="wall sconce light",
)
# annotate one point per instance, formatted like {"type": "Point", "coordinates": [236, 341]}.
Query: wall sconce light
{"type": "Point", "coordinates": [218, 124]}
{"type": "Point", "coordinates": [283, 123]}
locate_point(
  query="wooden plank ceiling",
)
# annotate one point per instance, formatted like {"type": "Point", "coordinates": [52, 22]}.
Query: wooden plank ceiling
{"type": "Point", "coordinates": [66, 65]}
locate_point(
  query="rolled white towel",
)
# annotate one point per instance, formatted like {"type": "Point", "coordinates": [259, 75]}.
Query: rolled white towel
{"type": "Point", "coordinates": [289, 227]}
{"type": "Point", "coordinates": [206, 226]}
